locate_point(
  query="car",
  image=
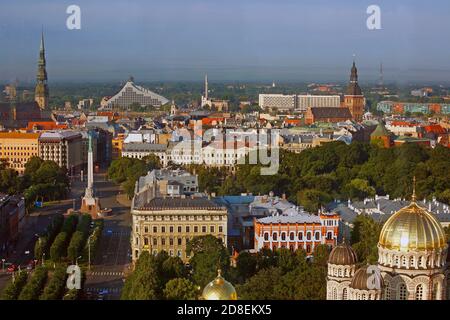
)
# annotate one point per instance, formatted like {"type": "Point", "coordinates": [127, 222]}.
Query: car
{"type": "Point", "coordinates": [12, 268]}
{"type": "Point", "coordinates": [31, 265]}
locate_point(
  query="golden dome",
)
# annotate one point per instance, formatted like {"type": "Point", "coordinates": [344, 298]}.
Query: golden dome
{"type": "Point", "coordinates": [219, 289]}
{"type": "Point", "coordinates": [412, 228]}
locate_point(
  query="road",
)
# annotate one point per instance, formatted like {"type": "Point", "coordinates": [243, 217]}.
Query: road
{"type": "Point", "coordinates": [113, 255]}
{"type": "Point", "coordinates": [36, 223]}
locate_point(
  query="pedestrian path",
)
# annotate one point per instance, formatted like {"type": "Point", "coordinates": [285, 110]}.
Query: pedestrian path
{"type": "Point", "coordinates": [106, 273]}
{"type": "Point", "coordinates": [105, 290]}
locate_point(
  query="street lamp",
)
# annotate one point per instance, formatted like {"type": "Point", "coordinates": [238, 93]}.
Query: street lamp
{"type": "Point", "coordinates": [89, 252]}
{"type": "Point", "coordinates": [76, 260]}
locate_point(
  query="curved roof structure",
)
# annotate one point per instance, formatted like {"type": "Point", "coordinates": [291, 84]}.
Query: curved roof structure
{"type": "Point", "coordinates": [132, 93]}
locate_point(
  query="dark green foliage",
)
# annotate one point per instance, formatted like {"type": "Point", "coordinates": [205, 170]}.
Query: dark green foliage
{"type": "Point", "coordinates": [34, 287]}
{"type": "Point", "coordinates": [181, 289]}
{"type": "Point", "coordinates": [364, 238]}
{"type": "Point", "coordinates": [287, 275]}
{"type": "Point", "coordinates": [208, 255]}
{"type": "Point", "coordinates": [54, 289]}
{"type": "Point", "coordinates": [126, 171]}
{"type": "Point", "coordinates": [13, 288]}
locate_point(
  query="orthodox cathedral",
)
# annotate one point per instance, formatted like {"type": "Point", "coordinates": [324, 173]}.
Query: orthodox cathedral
{"type": "Point", "coordinates": [412, 262]}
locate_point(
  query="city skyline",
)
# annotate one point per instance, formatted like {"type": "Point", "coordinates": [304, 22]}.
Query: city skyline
{"type": "Point", "coordinates": [181, 42]}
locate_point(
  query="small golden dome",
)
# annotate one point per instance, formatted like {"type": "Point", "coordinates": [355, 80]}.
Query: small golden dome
{"type": "Point", "coordinates": [219, 289]}
{"type": "Point", "coordinates": [412, 228]}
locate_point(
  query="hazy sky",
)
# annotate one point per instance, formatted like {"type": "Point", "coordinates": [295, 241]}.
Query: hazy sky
{"type": "Point", "coordinates": [281, 40]}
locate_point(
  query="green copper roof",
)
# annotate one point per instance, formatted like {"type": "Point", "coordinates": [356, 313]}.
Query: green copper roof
{"type": "Point", "coordinates": [380, 131]}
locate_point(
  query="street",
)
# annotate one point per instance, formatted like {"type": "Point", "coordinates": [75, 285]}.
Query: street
{"type": "Point", "coordinates": [112, 256]}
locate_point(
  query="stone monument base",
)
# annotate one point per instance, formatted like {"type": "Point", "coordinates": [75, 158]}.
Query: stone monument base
{"type": "Point", "coordinates": [91, 206]}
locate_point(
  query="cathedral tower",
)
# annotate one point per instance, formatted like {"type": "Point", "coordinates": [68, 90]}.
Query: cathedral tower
{"type": "Point", "coordinates": [41, 90]}
{"type": "Point", "coordinates": [353, 98]}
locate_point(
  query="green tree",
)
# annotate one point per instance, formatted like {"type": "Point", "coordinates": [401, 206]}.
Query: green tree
{"type": "Point", "coordinates": [181, 289]}
{"type": "Point", "coordinates": [208, 255]}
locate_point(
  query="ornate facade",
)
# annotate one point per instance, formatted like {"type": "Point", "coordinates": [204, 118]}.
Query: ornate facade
{"type": "Point", "coordinates": [412, 262]}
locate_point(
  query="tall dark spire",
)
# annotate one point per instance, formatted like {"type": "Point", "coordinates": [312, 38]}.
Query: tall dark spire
{"type": "Point", "coordinates": [41, 90]}
{"type": "Point", "coordinates": [353, 88]}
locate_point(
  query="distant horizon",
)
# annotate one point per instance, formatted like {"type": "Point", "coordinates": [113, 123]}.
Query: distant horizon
{"type": "Point", "coordinates": [252, 40]}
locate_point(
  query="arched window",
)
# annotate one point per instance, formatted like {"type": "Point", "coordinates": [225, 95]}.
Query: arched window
{"type": "Point", "coordinates": [344, 294]}
{"type": "Point", "coordinates": [419, 292]}
{"type": "Point", "coordinates": [275, 236]}
{"type": "Point", "coordinates": [266, 236]}
{"type": "Point", "coordinates": [387, 292]}
{"type": "Point", "coordinates": [404, 261]}
{"type": "Point", "coordinates": [283, 236]}
{"type": "Point", "coordinates": [334, 294]}
{"type": "Point", "coordinates": [402, 292]}
{"type": "Point", "coordinates": [329, 236]}
{"type": "Point", "coordinates": [291, 236]}
{"type": "Point", "coordinates": [317, 235]}
{"type": "Point", "coordinates": [308, 236]}
{"type": "Point", "coordinates": [300, 236]}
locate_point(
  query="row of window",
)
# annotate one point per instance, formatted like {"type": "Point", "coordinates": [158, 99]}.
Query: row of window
{"type": "Point", "coordinates": [300, 236]}
{"type": "Point", "coordinates": [179, 229]}
{"type": "Point", "coordinates": [182, 218]}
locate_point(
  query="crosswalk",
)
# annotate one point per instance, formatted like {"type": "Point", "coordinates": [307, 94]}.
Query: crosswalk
{"type": "Point", "coordinates": [106, 290]}
{"type": "Point", "coordinates": [106, 273]}
{"type": "Point", "coordinates": [117, 233]}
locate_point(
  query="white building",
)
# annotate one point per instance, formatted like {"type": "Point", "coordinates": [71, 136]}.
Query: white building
{"type": "Point", "coordinates": [281, 102]}
{"type": "Point", "coordinates": [132, 93]}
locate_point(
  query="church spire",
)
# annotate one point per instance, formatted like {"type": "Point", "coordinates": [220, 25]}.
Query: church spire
{"type": "Point", "coordinates": [41, 90]}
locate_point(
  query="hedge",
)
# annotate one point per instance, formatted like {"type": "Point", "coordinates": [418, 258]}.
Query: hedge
{"type": "Point", "coordinates": [54, 289]}
{"type": "Point", "coordinates": [13, 289]}
{"type": "Point", "coordinates": [33, 288]}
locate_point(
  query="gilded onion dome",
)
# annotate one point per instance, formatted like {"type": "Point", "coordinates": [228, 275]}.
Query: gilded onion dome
{"type": "Point", "coordinates": [342, 254]}
{"type": "Point", "coordinates": [412, 228]}
{"type": "Point", "coordinates": [219, 289]}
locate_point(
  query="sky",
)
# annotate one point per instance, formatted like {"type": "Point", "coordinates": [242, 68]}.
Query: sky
{"type": "Point", "coordinates": [231, 40]}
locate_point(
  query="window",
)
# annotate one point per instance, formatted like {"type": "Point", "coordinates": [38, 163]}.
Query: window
{"type": "Point", "coordinates": [402, 292]}
{"type": "Point", "coordinates": [404, 261]}
{"type": "Point", "coordinates": [145, 241]}
{"type": "Point", "coordinates": [163, 229]}
{"type": "Point", "coordinates": [171, 229]}
{"type": "Point", "coordinates": [171, 241]}
{"type": "Point", "coordinates": [155, 241]}
{"type": "Point", "coordinates": [211, 229]}
{"type": "Point", "coordinates": [411, 262]}
{"type": "Point", "coordinates": [266, 236]}
{"type": "Point", "coordinates": [145, 229]}
{"type": "Point", "coordinates": [344, 294]}
{"type": "Point", "coordinates": [419, 292]}
{"type": "Point", "coordinates": [291, 236]}
{"type": "Point", "coordinates": [308, 236]}
{"type": "Point", "coordinates": [220, 229]}
{"type": "Point", "coordinates": [188, 229]}
{"type": "Point", "coordinates": [387, 292]}
{"type": "Point", "coordinates": [195, 229]}
{"type": "Point", "coordinates": [317, 235]}
{"type": "Point", "coordinates": [180, 241]}
{"type": "Point", "coordinates": [179, 229]}
{"type": "Point", "coordinates": [163, 241]}
{"type": "Point", "coordinates": [204, 229]}
{"type": "Point", "coordinates": [329, 236]}
{"type": "Point", "coordinates": [300, 236]}
{"type": "Point", "coordinates": [283, 236]}
{"type": "Point", "coordinates": [274, 236]}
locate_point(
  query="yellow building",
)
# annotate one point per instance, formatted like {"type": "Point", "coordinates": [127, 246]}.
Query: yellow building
{"type": "Point", "coordinates": [117, 145]}
{"type": "Point", "coordinates": [16, 148]}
